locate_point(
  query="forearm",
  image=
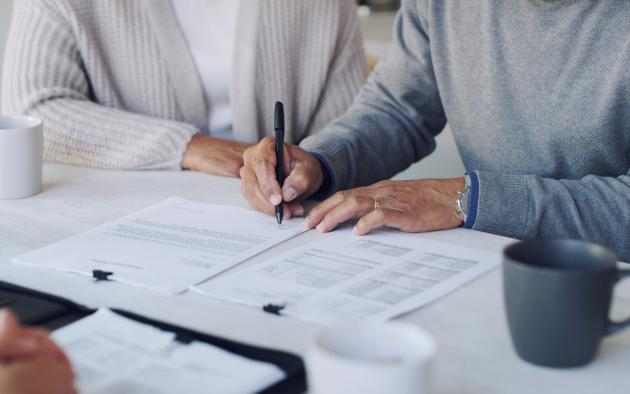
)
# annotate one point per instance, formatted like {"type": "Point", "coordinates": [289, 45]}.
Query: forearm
{"type": "Point", "coordinates": [594, 208]}
{"type": "Point", "coordinates": [83, 133]}
{"type": "Point", "coordinates": [395, 117]}
{"type": "Point", "coordinates": [45, 77]}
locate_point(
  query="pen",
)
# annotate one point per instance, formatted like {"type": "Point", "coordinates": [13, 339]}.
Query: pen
{"type": "Point", "coordinates": [279, 129]}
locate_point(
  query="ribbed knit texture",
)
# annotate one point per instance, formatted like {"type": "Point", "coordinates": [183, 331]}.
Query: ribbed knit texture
{"type": "Point", "coordinates": [116, 86]}
{"type": "Point", "coordinates": [537, 95]}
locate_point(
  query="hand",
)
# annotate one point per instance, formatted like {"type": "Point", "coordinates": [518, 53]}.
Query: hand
{"type": "Point", "coordinates": [214, 156]}
{"type": "Point", "coordinates": [36, 376]}
{"type": "Point", "coordinates": [17, 342]}
{"type": "Point", "coordinates": [30, 362]}
{"type": "Point", "coordinates": [261, 188]}
{"type": "Point", "coordinates": [410, 206]}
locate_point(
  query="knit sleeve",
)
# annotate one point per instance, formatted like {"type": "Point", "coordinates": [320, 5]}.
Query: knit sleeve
{"type": "Point", "coordinates": [593, 208]}
{"type": "Point", "coordinates": [348, 70]}
{"type": "Point", "coordinates": [394, 119]}
{"type": "Point", "coordinates": [44, 77]}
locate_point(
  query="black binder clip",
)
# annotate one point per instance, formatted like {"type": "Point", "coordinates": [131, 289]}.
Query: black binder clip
{"type": "Point", "coordinates": [99, 275]}
{"type": "Point", "coordinates": [273, 308]}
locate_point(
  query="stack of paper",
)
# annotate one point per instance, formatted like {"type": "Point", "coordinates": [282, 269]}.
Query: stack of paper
{"type": "Point", "coordinates": [169, 246]}
{"type": "Point", "coordinates": [112, 354]}
{"type": "Point", "coordinates": [342, 278]}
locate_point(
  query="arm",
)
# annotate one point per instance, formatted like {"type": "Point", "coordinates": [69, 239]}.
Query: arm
{"type": "Point", "coordinates": [398, 109]}
{"type": "Point", "coordinates": [594, 208]}
{"type": "Point", "coordinates": [44, 77]}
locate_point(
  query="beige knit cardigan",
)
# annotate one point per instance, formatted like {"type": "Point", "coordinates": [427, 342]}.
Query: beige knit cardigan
{"type": "Point", "coordinates": [116, 85]}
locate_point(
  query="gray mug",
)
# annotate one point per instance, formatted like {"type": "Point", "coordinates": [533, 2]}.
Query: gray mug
{"type": "Point", "coordinates": [557, 298]}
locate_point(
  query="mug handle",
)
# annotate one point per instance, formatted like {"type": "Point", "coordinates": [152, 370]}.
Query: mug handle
{"type": "Point", "coordinates": [612, 326]}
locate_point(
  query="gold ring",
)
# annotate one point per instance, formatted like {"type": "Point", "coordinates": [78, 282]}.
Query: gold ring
{"type": "Point", "coordinates": [376, 204]}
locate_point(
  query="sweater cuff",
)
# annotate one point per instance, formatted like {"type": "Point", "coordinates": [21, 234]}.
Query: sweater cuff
{"type": "Point", "coordinates": [473, 203]}
{"type": "Point", "coordinates": [328, 184]}
{"type": "Point", "coordinates": [502, 204]}
{"type": "Point", "coordinates": [331, 152]}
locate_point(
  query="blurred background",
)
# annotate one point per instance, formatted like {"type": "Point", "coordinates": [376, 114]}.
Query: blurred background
{"type": "Point", "coordinates": [377, 18]}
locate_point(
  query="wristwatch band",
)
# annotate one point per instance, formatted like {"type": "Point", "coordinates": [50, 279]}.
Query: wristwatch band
{"type": "Point", "coordinates": [463, 200]}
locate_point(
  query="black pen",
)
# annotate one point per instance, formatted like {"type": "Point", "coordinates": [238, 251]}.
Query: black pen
{"type": "Point", "coordinates": [279, 129]}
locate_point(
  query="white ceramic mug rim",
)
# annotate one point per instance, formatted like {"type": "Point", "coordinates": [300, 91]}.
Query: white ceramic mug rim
{"type": "Point", "coordinates": [29, 122]}
{"type": "Point", "coordinates": [416, 331]}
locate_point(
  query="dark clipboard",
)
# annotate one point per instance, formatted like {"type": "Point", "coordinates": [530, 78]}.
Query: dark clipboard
{"type": "Point", "coordinates": [35, 308]}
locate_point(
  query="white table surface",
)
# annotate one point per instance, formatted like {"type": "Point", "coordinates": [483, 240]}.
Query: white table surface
{"type": "Point", "coordinates": [475, 353]}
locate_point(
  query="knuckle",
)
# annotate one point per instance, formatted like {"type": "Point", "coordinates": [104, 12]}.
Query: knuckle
{"type": "Point", "coordinates": [266, 142]}
{"type": "Point", "coordinates": [299, 181]}
{"type": "Point", "coordinates": [343, 194]}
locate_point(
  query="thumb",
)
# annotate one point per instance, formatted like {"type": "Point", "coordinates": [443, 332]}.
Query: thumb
{"type": "Point", "coordinates": [297, 184]}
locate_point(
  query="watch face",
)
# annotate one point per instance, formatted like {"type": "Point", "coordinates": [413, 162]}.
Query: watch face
{"type": "Point", "coordinates": [466, 201]}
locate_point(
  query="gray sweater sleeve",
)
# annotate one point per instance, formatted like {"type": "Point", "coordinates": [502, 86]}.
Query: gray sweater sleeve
{"type": "Point", "coordinates": [594, 208]}
{"type": "Point", "coordinates": [392, 124]}
{"type": "Point", "coordinates": [393, 121]}
{"type": "Point", "coordinates": [44, 77]}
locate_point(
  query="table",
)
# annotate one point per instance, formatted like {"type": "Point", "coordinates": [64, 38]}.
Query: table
{"type": "Point", "coordinates": [475, 353]}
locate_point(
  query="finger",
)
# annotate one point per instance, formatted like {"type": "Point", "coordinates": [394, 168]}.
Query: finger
{"type": "Point", "coordinates": [317, 214]}
{"type": "Point", "coordinates": [296, 184]}
{"type": "Point", "coordinates": [264, 167]}
{"type": "Point", "coordinates": [250, 189]}
{"type": "Point", "coordinates": [297, 210]}
{"type": "Point", "coordinates": [348, 209]}
{"type": "Point", "coordinates": [255, 198]}
{"type": "Point", "coordinates": [288, 160]}
{"type": "Point", "coordinates": [379, 218]}
{"type": "Point", "coordinates": [8, 322]}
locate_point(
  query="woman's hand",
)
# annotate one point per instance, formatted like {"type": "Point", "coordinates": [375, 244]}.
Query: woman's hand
{"type": "Point", "coordinates": [214, 156]}
{"type": "Point", "coordinates": [411, 206]}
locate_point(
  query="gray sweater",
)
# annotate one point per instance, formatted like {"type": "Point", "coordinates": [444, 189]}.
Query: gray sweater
{"type": "Point", "coordinates": [537, 95]}
{"type": "Point", "coordinates": [116, 85]}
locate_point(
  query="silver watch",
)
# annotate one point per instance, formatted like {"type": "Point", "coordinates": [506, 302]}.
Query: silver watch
{"type": "Point", "coordinates": [463, 200]}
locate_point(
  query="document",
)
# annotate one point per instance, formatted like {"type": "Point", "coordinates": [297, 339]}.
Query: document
{"type": "Point", "coordinates": [341, 278]}
{"type": "Point", "coordinates": [111, 354]}
{"type": "Point", "coordinates": [167, 247]}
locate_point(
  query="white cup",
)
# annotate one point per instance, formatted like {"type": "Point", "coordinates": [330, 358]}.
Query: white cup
{"type": "Point", "coordinates": [21, 140]}
{"type": "Point", "coordinates": [392, 358]}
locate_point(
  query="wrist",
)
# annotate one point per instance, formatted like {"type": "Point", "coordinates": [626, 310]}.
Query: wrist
{"type": "Point", "coordinates": [453, 193]}
{"type": "Point", "coordinates": [188, 158]}
{"type": "Point", "coordinates": [462, 202]}
{"type": "Point", "coordinates": [326, 179]}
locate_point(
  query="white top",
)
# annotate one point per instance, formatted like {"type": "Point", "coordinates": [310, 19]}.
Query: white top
{"type": "Point", "coordinates": [210, 29]}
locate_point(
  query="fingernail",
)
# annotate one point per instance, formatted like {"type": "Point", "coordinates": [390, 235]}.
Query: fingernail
{"type": "Point", "coordinates": [26, 344]}
{"type": "Point", "coordinates": [320, 227]}
{"type": "Point", "coordinates": [355, 231]}
{"type": "Point", "coordinates": [290, 193]}
{"type": "Point", "coordinates": [299, 211]}
{"type": "Point", "coordinates": [275, 200]}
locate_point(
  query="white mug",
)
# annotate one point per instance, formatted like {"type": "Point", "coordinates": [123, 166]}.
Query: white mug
{"type": "Point", "coordinates": [392, 358]}
{"type": "Point", "coordinates": [21, 140]}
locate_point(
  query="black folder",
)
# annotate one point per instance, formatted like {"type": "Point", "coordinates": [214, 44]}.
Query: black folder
{"type": "Point", "coordinates": [34, 308]}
